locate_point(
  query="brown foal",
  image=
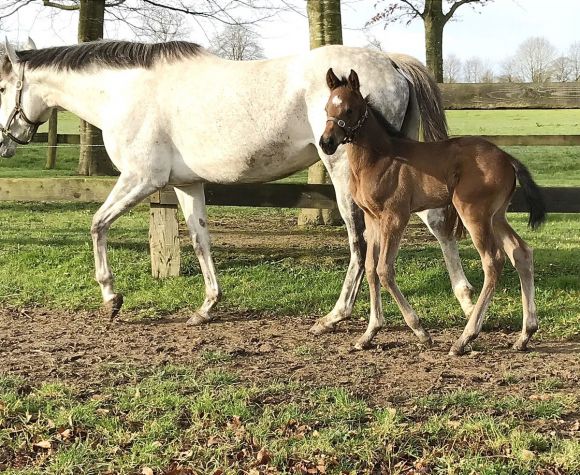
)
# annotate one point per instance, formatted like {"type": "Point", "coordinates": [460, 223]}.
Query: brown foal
{"type": "Point", "coordinates": [391, 177]}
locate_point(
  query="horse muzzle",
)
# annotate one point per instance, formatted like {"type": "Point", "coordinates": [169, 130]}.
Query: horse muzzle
{"type": "Point", "coordinates": [328, 144]}
{"type": "Point", "coordinates": [7, 148]}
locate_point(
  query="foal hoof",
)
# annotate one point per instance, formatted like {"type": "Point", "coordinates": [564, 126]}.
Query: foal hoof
{"type": "Point", "coordinates": [113, 306]}
{"type": "Point", "coordinates": [320, 329]}
{"type": "Point", "coordinates": [198, 319]}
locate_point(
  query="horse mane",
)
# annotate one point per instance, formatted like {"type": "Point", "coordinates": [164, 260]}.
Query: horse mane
{"type": "Point", "coordinates": [114, 54]}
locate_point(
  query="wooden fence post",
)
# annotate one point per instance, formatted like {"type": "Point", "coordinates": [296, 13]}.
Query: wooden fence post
{"type": "Point", "coordinates": [52, 140]}
{"type": "Point", "coordinates": [164, 240]}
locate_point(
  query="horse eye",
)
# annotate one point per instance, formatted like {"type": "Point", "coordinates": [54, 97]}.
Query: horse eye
{"type": "Point", "coordinates": [2, 90]}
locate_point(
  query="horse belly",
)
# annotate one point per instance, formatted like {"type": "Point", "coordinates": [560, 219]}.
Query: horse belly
{"type": "Point", "coordinates": [270, 162]}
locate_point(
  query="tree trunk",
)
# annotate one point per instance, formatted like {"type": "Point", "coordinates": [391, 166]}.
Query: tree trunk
{"type": "Point", "coordinates": [93, 158]}
{"type": "Point", "coordinates": [324, 22]}
{"type": "Point", "coordinates": [434, 20]}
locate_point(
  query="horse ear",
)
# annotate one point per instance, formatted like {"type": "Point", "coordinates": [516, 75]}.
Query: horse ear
{"type": "Point", "coordinates": [353, 81]}
{"type": "Point", "coordinates": [11, 52]}
{"type": "Point", "coordinates": [331, 80]}
{"type": "Point", "coordinates": [30, 44]}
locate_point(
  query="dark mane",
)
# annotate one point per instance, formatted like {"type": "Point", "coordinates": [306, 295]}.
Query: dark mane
{"type": "Point", "coordinates": [113, 54]}
{"type": "Point", "coordinates": [391, 130]}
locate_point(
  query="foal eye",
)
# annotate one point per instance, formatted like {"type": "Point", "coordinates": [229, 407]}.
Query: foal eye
{"type": "Point", "coordinates": [349, 111]}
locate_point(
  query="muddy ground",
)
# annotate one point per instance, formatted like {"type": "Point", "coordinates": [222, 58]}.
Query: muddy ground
{"type": "Point", "coordinates": [80, 348]}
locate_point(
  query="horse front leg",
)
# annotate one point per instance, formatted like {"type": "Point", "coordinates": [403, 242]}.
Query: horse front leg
{"type": "Point", "coordinates": [463, 290]}
{"type": "Point", "coordinates": [352, 215]}
{"type": "Point", "coordinates": [127, 192]}
{"type": "Point", "coordinates": [192, 201]}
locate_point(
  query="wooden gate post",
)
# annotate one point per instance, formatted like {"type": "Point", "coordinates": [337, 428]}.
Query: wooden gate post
{"type": "Point", "coordinates": [164, 240]}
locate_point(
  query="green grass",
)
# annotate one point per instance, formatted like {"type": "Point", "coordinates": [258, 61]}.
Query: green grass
{"type": "Point", "coordinates": [177, 418]}
{"type": "Point", "coordinates": [46, 260]}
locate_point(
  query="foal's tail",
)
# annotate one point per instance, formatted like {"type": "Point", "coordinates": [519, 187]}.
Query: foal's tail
{"type": "Point", "coordinates": [425, 95]}
{"type": "Point", "coordinates": [532, 194]}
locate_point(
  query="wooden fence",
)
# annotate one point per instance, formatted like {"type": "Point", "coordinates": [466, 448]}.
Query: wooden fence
{"type": "Point", "coordinates": [164, 242]}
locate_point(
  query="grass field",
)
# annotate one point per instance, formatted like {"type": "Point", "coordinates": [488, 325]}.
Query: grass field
{"type": "Point", "coordinates": [206, 418]}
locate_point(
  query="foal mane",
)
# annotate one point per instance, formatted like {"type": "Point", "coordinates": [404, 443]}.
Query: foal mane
{"type": "Point", "coordinates": [113, 54]}
{"type": "Point", "coordinates": [390, 129]}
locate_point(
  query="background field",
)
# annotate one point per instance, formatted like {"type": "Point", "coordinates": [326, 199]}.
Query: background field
{"type": "Point", "coordinates": [205, 403]}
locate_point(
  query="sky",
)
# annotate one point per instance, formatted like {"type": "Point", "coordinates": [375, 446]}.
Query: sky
{"type": "Point", "coordinates": [492, 32]}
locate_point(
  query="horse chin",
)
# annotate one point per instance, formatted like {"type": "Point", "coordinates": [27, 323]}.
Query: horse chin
{"type": "Point", "coordinates": [7, 150]}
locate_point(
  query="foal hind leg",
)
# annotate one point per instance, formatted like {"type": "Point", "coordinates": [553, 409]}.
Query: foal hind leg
{"type": "Point", "coordinates": [127, 192]}
{"type": "Point", "coordinates": [463, 290]}
{"type": "Point", "coordinates": [192, 201]}
{"type": "Point", "coordinates": [376, 320]}
{"type": "Point", "coordinates": [392, 227]}
{"type": "Point", "coordinates": [521, 256]}
{"type": "Point", "coordinates": [492, 261]}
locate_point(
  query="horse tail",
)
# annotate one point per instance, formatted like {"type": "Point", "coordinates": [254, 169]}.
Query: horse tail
{"type": "Point", "coordinates": [425, 101]}
{"type": "Point", "coordinates": [424, 96]}
{"type": "Point", "coordinates": [532, 194]}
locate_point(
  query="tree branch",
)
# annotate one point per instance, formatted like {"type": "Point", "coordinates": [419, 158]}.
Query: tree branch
{"type": "Point", "coordinates": [22, 4]}
{"type": "Point", "coordinates": [60, 6]}
{"type": "Point", "coordinates": [456, 5]}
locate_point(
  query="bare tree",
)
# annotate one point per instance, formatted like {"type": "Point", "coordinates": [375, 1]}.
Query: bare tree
{"type": "Point", "coordinates": [509, 71]}
{"type": "Point", "coordinates": [452, 69]}
{"type": "Point", "coordinates": [561, 69]}
{"type": "Point", "coordinates": [574, 57]}
{"type": "Point", "coordinates": [473, 69]}
{"type": "Point", "coordinates": [374, 43]}
{"type": "Point", "coordinates": [237, 42]}
{"type": "Point", "coordinates": [434, 19]}
{"type": "Point", "coordinates": [534, 59]}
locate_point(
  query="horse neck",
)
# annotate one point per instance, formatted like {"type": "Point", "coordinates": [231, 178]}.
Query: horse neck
{"type": "Point", "coordinates": [89, 94]}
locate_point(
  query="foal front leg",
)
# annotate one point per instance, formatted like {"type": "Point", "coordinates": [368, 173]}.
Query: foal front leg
{"type": "Point", "coordinates": [376, 320]}
{"type": "Point", "coordinates": [392, 227]}
{"type": "Point", "coordinates": [192, 201]}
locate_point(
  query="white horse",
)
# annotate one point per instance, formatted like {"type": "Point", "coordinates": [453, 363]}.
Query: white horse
{"type": "Point", "coordinates": [173, 114]}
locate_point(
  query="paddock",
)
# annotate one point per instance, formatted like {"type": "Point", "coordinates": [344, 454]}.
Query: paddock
{"type": "Point", "coordinates": [252, 390]}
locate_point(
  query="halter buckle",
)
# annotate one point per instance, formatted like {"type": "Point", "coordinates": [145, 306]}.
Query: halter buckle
{"type": "Point", "coordinates": [19, 85]}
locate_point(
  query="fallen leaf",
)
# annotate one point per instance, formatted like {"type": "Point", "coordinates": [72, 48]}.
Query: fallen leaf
{"type": "Point", "coordinates": [147, 471]}
{"type": "Point", "coordinates": [43, 444]}
{"type": "Point", "coordinates": [65, 434]}
{"type": "Point", "coordinates": [576, 426]}
{"type": "Point", "coordinates": [263, 456]}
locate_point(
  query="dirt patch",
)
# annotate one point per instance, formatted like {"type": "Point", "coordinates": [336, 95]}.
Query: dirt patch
{"type": "Point", "coordinates": [81, 347]}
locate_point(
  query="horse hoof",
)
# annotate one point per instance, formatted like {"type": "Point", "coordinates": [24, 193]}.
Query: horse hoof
{"type": "Point", "coordinates": [520, 345]}
{"type": "Point", "coordinates": [198, 319]}
{"type": "Point", "coordinates": [458, 350]}
{"type": "Point", "coordinates": [363, 344]}
{"type": "Point", "coordinates": [320, 329]}
{"type": "Point", "coordinates": [113, 306]}
{"type": "Point", "coordinates": [426, 340]}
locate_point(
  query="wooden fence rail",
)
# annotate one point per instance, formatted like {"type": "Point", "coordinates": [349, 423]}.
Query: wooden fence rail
{"type": "Point", "coordinates": [163, 230]}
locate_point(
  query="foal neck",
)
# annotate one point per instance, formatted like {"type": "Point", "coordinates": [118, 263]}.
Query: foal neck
{"type": "Point", "coordinates": [371, 143]}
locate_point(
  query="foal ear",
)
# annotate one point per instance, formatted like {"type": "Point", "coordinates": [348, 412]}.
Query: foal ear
{"type": "Point", "coordinates": [331, 80]}
{"type": "Point", "coordinates": [353, 81]}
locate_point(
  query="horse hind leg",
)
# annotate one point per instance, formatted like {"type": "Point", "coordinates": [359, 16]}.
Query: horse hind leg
{"type": "Point", "coordinates": [492, 261]}
{"type": "Point", "coordinates": [353, 219]}
{"type": "Point", "coordinates": [127, 192]}
{"type": "Point", "coordinates": [521, 256]}
{"type": "Point", "coordinates": [462, 289]}
{"type": "Point", "coordinates": [192, 201]}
